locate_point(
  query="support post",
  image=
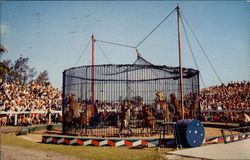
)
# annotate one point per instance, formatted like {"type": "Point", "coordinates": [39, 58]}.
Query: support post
{"type": "Point", "coordinates": [180, 61]}
{"type": "Point", "coordinates": [15, 123]}
{"type": "Point", "coordinates": [50, 118]}
{"type": "Point", "coordinates": [93, 76]}
{"type": "Point", "coordinates": [198, 92]}
{"type": "Point", "coordinates": [64, 104]}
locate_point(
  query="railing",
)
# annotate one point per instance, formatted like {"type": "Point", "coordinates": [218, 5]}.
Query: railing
{"type": "Point", "coordinates": [107, 110]}
{"type": "Point", "coordinates": [30, 112]}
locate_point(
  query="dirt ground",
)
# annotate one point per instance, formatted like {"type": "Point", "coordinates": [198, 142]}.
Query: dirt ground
{"type": "Point", "coordinates": [24, 154]}
{"type": "Point", "coordinates": [19, 153]}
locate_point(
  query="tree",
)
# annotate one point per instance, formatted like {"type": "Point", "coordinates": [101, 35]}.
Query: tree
{"type": "Point", "coordinates": [2, 50]}
{"type": "Point", "coordinates": [4, 67]}
{"type": "Point", "coordinates": [43, 77]}
{"type": "Point", "coordinates": [20, 71]}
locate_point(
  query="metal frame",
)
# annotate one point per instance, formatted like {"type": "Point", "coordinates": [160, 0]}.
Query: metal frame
{"type": "Point", "coordinates": [114, 83]}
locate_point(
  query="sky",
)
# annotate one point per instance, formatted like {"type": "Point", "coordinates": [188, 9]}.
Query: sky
{"type": "Point", "coordinates": [54, 34]}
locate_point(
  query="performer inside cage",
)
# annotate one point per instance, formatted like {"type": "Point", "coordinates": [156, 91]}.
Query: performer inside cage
{"type": "Point", "coordinates": [125, 115]}
{"type": "Point", "coordinates": [127, 107]}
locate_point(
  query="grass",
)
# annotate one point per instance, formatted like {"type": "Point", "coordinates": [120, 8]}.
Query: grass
{"type": "Point", "coordinates": [88, 152]}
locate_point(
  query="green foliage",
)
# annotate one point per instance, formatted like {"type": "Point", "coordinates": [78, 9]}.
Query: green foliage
{"type": "Point", "coordinates": [43, 77]}
{"type": "Point", "coordinates": [21, 71]}
{"type": "Point", "coordinates": [3, 68]}
{"type": "Point", "coordinates": [2, 50]}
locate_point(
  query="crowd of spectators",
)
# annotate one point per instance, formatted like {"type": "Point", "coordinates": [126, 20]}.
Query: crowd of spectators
{"type": "Point", "coordinates": [235, 97]}
{"type": "Point", "coordinates": [17, 97]}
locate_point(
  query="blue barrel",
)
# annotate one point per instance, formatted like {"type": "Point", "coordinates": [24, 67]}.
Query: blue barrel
{"type": "Point", "coordinates": [190, 133]}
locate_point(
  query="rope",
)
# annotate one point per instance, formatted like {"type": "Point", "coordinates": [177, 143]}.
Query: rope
{"type": "Point", "coordinates": [203, 51]}
{"type": "Point", "coordinates": [117, 44]}
{"type": "Point", "coordinates": [192, 53]}
{"type": "Point", "coordinates": [129, 46]}
{"type": "Point", "coordinates": [154, 29]}
{"type": "Point", "coordinates": [82, 53]}
{"type": "Point", "coordinates": [99, 46]}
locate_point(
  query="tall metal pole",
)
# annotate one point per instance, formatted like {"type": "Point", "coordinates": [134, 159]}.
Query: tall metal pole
{"type": "Point", "coordinates": [93, 76]}
{"type": "Point", "coordinates": [180, 61]}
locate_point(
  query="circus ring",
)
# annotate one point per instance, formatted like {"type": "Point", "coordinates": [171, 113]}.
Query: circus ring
{"type": "Point", "coordinates": [94, 98]}
{"type": "Point", "coordinates": [131, 142]}
{"type": "Point", "coordinates": [99, 93]}
{"type": "Point", "coordinates": [138, 141]}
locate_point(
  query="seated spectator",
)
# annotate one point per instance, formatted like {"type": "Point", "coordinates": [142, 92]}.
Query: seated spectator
{"type": "Point", "coordinates": [234, 96]}
{"type": "Point", "coordinates": [244, 119]}
{"type": "Point", "coordinates": [17, 97]}
{"type": "Point", "coordinates": [3, 120]}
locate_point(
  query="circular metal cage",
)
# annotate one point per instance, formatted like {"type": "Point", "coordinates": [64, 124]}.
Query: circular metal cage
{"type": "Point", "coordinates": [96, 97]}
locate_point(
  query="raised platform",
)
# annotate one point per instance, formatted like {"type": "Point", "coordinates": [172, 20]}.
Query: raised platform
{"type": "Point", "coordinates": [117, 142]}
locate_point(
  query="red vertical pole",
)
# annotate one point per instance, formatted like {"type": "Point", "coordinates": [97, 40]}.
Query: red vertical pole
{"type": "Point", "coordinates": [93, 75]}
